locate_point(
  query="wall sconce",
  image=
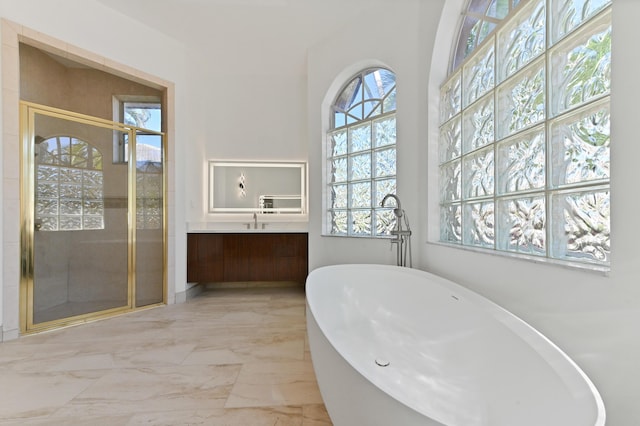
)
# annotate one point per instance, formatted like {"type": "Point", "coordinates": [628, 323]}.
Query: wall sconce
{"type": "Point", "coordinates": [242, 185]}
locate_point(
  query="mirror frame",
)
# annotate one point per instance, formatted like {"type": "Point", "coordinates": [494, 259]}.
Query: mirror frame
{"type": "Point", "coordinates": [301, 165]}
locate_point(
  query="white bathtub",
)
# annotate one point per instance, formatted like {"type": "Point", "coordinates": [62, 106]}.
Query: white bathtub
{"type": "Point", "coordinates": [454, 358]}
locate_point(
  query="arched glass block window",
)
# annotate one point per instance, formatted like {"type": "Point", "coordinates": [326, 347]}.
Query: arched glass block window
{"type": "Point", "coordinates": [525, 130]}
{"type": "Point", "coordinates": [69, 185]}
{"type": "Point", "coordinates": [361, 155]}
{"type": "Point", "coordinates": [481, 19]}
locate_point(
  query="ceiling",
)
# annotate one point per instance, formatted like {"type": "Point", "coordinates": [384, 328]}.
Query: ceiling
{"type": "Point", "coordinates": [282, 29]}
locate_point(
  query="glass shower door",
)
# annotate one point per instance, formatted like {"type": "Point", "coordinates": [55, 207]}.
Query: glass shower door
{"type": "Point", "coordinates": [81, 234]}
{"type": "Point", "coordinates": [149, 242]}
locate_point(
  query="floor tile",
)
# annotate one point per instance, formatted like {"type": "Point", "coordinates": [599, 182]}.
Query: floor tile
{"type": "Point", "coordinates": [267, 416]}
{"type": "Point", "coordinates": [227, 357]}
{"type": "Point", "coordinates": [276, 383]}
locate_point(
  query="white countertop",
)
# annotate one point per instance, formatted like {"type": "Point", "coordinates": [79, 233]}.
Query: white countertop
{"type": "Point", "coordinates": [241, 227]}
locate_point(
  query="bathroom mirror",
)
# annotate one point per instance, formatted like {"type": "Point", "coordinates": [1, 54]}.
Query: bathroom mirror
{"type": "Point", "coordinates": [259, 187]}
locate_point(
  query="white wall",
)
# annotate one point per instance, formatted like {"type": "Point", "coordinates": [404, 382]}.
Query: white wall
{"type": "Point", "coordinates": [105, 36]}
{"type": "Point", "coordinates": [240, 115]}
{"type": "Point", "coordinates": [400, 41]}
{"type": "Point", "coordinates": [594, 317]}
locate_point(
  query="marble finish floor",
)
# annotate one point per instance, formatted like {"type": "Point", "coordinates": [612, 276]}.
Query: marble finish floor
{"type": "Point", "coordinates": [227, 357]}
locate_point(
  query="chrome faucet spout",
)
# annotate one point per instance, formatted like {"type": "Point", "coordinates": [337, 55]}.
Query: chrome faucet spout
{"type": "Point", "coordinates": [398, 210]}
{"type": "Point", "coordinates": [255, 220]}
{"type": "Point", "coordinates": [394, 196]}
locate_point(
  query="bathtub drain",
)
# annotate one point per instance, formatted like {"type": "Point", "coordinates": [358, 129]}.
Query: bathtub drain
{"type": "Point", "coordinates": [382, 362]}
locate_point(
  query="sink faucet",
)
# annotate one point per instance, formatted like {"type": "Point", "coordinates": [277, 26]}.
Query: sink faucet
{"type": "Point", "coordinates": [402, 236]}
{"type": "Point", "coordinates": [255, 220]}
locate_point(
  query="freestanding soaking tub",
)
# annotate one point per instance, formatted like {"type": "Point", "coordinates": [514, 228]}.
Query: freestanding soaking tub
{"type": "Point", "coordinates": [398, 346]}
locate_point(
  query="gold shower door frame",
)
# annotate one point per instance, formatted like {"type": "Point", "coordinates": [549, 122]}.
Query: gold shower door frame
{"type": "Point", "coordinates": [28, 113]}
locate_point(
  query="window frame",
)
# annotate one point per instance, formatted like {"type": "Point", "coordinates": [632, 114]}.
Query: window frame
{"type": "Point", "coordinates": [120, 105]}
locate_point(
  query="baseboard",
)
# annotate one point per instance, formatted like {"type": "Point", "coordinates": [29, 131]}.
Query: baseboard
{"type": "Point", "coordinates": [253, 284]}
{"type": "Point", "coordinates": [194, 291]}
{"type": "Point", "coordinates": [7, 335]}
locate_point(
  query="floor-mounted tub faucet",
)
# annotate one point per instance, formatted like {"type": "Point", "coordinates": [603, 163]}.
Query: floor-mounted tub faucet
{"type": "Point", "coordinates": [402, 236]}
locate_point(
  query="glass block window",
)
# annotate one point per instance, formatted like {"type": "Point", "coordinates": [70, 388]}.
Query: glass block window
{"type": "Point", "coordinates": [149, 188]}
{"type": "Point", "coordinates": [525, 130]}
{"type": "Point", "coordinates": [361, 156]}
{"type": "Point", "coordinates": [478, 22]}
{"type": "Point", "coordinates": [69, 185]}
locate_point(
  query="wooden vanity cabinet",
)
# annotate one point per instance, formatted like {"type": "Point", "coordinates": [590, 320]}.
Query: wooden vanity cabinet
{"type": "Point", "coordinates": [214, 257]}
{"type": "Point", "coordinates": [205, 258]}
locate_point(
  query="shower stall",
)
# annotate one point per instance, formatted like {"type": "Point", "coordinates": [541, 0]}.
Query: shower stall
{"type": "Point", "coordinates": [93, 223]}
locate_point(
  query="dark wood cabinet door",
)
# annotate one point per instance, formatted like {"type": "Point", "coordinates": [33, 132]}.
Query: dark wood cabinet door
{"type": "Point", "coordinates": [290, 254]}
{"type": "Point", "coordinates": [247, 257]}
{"type": "Point", "coordinates": [205, 257]}
{"type": "Point", "coordinates": [236, 257]}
